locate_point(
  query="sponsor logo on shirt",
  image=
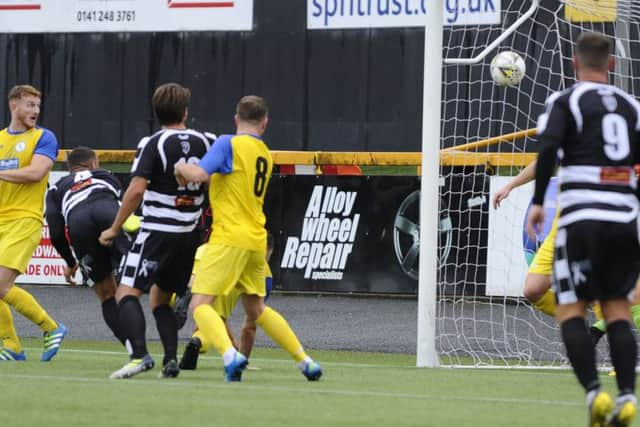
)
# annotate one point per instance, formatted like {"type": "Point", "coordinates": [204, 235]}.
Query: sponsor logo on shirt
{"type": "Point", "coordinates": [6, 164]}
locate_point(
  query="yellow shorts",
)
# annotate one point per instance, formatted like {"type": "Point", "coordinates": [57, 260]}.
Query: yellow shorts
{"type": "Point", "coordinates": [543, 260]}
{"type": "Point", "coordinates": [223, 268]}
{"type": "Point", "coordinates": [18, 240]}
{"type": "Point", "coordinates": [224, 304]}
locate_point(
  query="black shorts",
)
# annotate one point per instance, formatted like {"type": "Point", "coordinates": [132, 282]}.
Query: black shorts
{"type": "Point", "coordinates": [595, 260]}
{"type": "Point", "coordinates": [85, 223]}
{"type": "Point", "coordinates": [164, 259]}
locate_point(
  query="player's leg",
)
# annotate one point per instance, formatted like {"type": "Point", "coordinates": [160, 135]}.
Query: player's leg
{"type": "Point", "coordinates": [174, 276]}
{"type": "Point", "coordinates": [137, 277]}
{"type": "Point", "coordinates": [623, 349]}
{"type": "Point", "coordinates": [537, 291]}
{"type": "Point", "coordinates": [167, 326]}
{"type": "Point", "coordinates": [576, 282]}
{"type": "Point", "coordinates": [247, 336]}
{"type": "Point", "coordinates": [537, 285]}
{"type": "Point", "coordinates": [105, 290]}
{"type": "Point", "coordinates": [11, 347]}
{"type": "Point", "coordinates": [86, 224]}
{"type": "Point", "coordinates": [278, 329]}
{"type": "Point", "coordinates": [619, 269]}
{"type": "Point", "coordinates": [252, 281]}
{"type": "Point", "coordinates": [97, 262]}
{"type": "Point", "coordinates": [218, 273]}
{"type": "Point", "coordinates": [133, 327]}
{"type": "Point", "coordinates": [16, 247]}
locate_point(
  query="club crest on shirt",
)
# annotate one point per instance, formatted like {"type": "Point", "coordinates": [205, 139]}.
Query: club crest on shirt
{"type": "Point", "coordinates": [610, 103]}
{"type": "Point", "coordinates": [185, 146]}
{"type": "Point", "coordinates": [20, 146]}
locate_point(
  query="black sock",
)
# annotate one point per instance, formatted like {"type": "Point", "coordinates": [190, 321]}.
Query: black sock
{"type": "Point", "coordinates": [132, 325]}
{"type": "Point", "coordinates": [580, 352]}
{"type": "Point", "coordinates": [168, 330]}
{"type": "Point", "coordinates": [110, 315]}
{"type": "Point", "coordinates": [623, 355]}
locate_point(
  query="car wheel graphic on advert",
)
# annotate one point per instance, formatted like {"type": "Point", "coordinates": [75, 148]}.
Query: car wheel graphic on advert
{"type": "Point", "coordinates": [406, 234]}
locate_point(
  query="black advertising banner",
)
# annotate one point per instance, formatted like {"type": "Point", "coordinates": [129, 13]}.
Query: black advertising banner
{"type": "Point", "coordinates": [361, 233]}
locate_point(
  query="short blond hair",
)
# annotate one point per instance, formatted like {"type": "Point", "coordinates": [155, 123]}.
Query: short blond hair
{"type": "Point", "coordinates": [17, 92]}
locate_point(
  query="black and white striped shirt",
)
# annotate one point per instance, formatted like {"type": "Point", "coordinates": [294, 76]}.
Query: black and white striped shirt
{"type": "Point", "coordinates": [166, 206]}
{"type": "Point", "coordinates": [68, 193]}
{"type": "Point", "coordinates": [594, 129]}
{"type": "Point", "coordinates": [73, 189]}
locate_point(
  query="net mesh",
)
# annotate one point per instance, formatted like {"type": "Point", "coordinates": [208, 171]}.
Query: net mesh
{"type": "Point", "coordinates": [481, 317]}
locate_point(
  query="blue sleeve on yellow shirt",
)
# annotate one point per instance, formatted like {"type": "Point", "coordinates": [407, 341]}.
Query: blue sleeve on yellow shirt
{"type": "Point", "coordinates": [220, 157]}
{"type": "Point", "coordinates": [47, 145]}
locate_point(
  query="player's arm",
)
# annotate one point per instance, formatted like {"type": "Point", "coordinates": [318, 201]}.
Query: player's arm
{"type": "Point", "coordinates": [552, 129]}
{"type": "Point", "coordinates": [142, 171]}
{"type": "Point", "coordinates": [526, 175]}
{"type": "Point", "coordinates": [34, 172]}
{"type": "Point", "coordinates": [56, 224]}
{"type": "Point", "coordinates": [44, 156]}
{"type": "Point", "coordinates": [217, 160]}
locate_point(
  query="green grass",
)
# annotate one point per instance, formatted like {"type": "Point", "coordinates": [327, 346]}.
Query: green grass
{"type": "Point", "coordinates": [358, 389]}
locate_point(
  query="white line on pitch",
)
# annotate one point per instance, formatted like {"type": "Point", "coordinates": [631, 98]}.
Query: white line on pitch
{"type": "Point", "coordinates": [298, 390]}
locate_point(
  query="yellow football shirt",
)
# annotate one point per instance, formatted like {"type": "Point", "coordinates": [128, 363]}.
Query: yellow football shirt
{"type": "Point", "coordinates": [240, 167]}
{"type": "Point", "coordinates": [16, 151]}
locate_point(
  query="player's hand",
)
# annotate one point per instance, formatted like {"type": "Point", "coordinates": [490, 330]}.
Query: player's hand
{"type": "Point", "coordinates": [69, 274]}
{"type": "Point", "coordinates": [108, 236]}
{"type": "Point", "coordinates": [181, 180]}
{"type": "Point", "coordinates": [500, 195]}
{"type": "Point", "coordinates": [535, 219]}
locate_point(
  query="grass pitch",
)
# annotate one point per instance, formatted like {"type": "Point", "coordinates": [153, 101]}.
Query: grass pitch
{"type": "Point", "coordinates": [357, 389]}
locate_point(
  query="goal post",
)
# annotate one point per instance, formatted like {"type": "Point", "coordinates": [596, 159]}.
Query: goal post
{"type": "Point", "coordinates": [429, 201]}
{"type": "Point", "coordinates": [481, 316]}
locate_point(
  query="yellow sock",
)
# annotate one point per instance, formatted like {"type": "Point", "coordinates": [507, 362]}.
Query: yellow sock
{"type": "Point", "coordinates": [547, 304]}
{"type": "Point", "coordinates": [279, 331]}
{"type": "Point", "coordinates": [8, 335]}
{"type": "Point", "coordinates": [211, 328]}
{"type": "Point", "coordinates": [24, 303]}
{"type": "Point", "coordinates": [597, 311]}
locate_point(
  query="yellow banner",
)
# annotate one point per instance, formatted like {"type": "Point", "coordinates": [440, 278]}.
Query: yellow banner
{"type": "Point", "coordinates": [591, 10]}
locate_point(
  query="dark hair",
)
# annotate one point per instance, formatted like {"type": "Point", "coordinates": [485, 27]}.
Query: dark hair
{"type": "Point", "coordinates": [19, 91]}
{"type": "Point", "coordinates": [593, 50]}
{"type": "Point", "coordinates": [170, 102]}
{"type": "Point", "coordinates": [252, 109]}
{"type": "Point", "coordinates": [270, 244]}
{"type": "Point", "coordinates": [80, 156]}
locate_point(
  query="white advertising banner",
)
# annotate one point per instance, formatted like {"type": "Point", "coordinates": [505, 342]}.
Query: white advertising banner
{"type": "Point", "coordinates": [506, 258]}
{"type": "Point", "coordinates": [510, 250]}
{"type": "Point", "coordinates": [71, 16]}
{"type": "Point", "coordinates": [46, 266]}
{"type": "Point", "coordinates": [340, 14]}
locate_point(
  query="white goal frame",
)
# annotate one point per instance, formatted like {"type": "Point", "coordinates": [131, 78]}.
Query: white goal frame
{"type": "Point", "coordinates": [430, 196]}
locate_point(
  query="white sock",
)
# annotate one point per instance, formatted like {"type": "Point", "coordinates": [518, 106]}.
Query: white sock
{"type": "Point", "coordinates": [228, 356]}
{"type": "Point", "coordinates": [304, 363]}
{"type": "Point", "coordinates": [128, 347]}
{"type": "Point", "coordinates": [592, 395]}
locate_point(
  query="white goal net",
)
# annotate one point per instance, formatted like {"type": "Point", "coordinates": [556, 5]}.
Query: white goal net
{"type": "Point", "coordinates": [482, 318]}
